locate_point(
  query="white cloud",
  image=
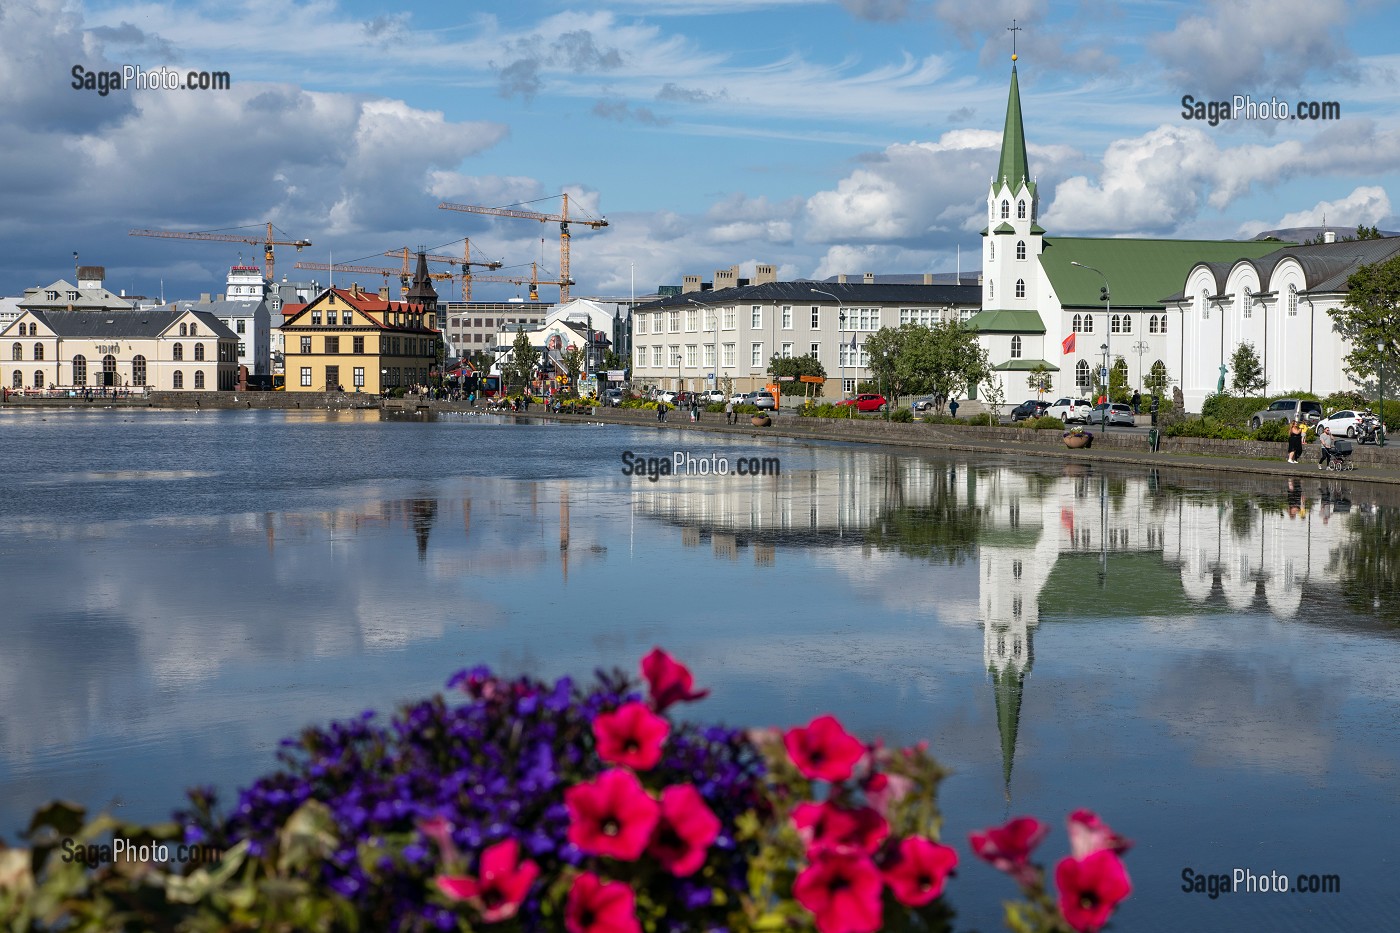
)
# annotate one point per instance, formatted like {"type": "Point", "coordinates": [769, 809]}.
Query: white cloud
{"type": "Point", "coordinates": [1367, 204]}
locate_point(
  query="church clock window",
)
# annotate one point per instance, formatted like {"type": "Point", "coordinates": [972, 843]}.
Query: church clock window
{"type": "Point", "coordinates": [1020, 288]}
{"type": "Point", "coordinates": [1020, 249]}
{"type": "Point", "coordinates": [1005, 209]}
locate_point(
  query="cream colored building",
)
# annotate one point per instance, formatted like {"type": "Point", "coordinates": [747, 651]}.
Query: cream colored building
{"type": "Point", "coordinates": [164, 348]}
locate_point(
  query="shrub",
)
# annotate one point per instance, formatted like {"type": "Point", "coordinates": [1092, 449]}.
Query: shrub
{"type": "Point", "coordinates": [1205, 427]}
{"type": "Point", "coordinates": [1276, 430]}
{"type": "Point", "coordinates": [902, 415]}
{"type": "Point", "coordinates": [1044, 423]}
{"type": "Point", "coordinates": [983, 420]}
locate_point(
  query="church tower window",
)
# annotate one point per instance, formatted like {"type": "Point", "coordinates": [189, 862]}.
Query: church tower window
{"type": "Point", "coordinates": [1020, 249]}
{"type": "Point", "coordinates": [1005, 209]}
{"type": "Point", "coordinates": [1021, 210]}
{"type": "Point", "coordinates": [1020, 288]}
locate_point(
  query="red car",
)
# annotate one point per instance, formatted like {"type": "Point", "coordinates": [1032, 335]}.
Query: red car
{"type": "Point", "coordinates": [866, 402]}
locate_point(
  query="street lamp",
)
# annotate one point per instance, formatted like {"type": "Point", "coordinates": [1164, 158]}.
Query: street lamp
{"type": "Point", "coordinates": [1108, 337]}
{"type": "Point", "coordinates": [1380, 349]}
{"type": "Point", "coordinates": [841, 334]}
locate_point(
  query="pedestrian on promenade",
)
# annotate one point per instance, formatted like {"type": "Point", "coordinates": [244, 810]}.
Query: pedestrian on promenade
{"type": "Point", "coordinates": [1137, 402]}
{"type": "Point", "coordinates": [694, 410]}
{"type": "Point", "coordinates": [660, 409]}
{"type": "Point", "coordinates": [1328, 443]}
{"type": "Point", "coordinates": [953, 408]}
{"type": "Point", "coordinates": [1295, 440]}
{"type": "Point", "coordinates": [729, 412]}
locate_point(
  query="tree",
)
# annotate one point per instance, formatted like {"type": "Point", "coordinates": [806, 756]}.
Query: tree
{"type": "Point", "coordinates": [1157, 379]}
{"type": "Point", "coordinates": [1117, 389]}
{"type": "Point", "coordinates": [994, 395]}
{"type": "Point", "coordinates": [522, 361]}
{"type": "Point", "coordinates": [1040, 380]}
{"type": "Point", "coordinates": [1363, 232]}
{"type": "Point", "coordinates": [796, 367]}
{"type": "Point", "coordinates": [943, 360]}
{"type": "Point", "coordinates": [572, 361]}
{"type": "Point", "coordinates": [1248, 373]}
{"type": "Point", "coordinates": [1368, 318]}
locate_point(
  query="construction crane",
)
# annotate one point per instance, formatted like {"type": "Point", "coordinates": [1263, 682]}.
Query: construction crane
{"type": "Point", "coordinates": [266, 242]}
{"type": "Point", "coordinates": [562, 218]}
{"type": "Point", "coordinates": [376, 270]}
{"type": "Point", "coordinates": [466, 262]}
{"type": "Point", "coordinates": [534, 281]}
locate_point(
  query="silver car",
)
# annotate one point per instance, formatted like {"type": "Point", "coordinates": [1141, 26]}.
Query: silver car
{"type": "Point", "coordinates": [1118, 413]}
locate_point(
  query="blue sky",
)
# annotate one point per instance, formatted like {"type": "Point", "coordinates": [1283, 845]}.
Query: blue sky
{"type": "Point", "coordinates": [823, 137]}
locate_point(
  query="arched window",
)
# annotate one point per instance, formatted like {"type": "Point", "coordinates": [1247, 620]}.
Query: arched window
{"type": "Point", "coordinates": [17, 351]}
{"type": "Point", "coordinates": [1020, 249]}
{"type": "Point", "coordinates": [138, 370]}
{"type": "Point", "coordinates": [991, 290]}
{"type": "Point", "coordinates": [33, 329]}
{"type": "Point", "coordinates": [1204, 307]}
{"type": "Point", "coordinates": [1292, 301]}
{"type": "Point", "coordinates": [1081, 375]}
{"type": "Point", "coordinates": [1152, 323]}
{"type": "Point", "coordinates": [1158, 375]}
{"type": "Point", "coordinates": [184, 331]}
{"type": "Point", "coordinates": [79, 370]}
{"type": "Point", "coordinates": [1020, 210]}
{"type": "Point", "coordinates": [17, 380]}
{"type": "Point", "coordinates": [1005, 209]}
{"type": "Point", "coordinates": [1088, 323]}
{"type": "Point", "coordinates": [38, 378]}
{"type": "Point", "coordinates": [1020, 288]}
{"type": "Point", "coordinates": [1247, 302]}
{"type": "Point", "coordinates": [1114, 326]}
{"type": "Point", "coordinates": [1015, 348]}
{"type": "Point", "coordinates": [178, 380]}
{"type": "Point", "coordinates": [1162, 324]}
{"type": "Point", "coordinates": [109, 370]}
{"type": "Point", "coordinates": [1076, 324]}
{"type": "Point", "coordinates": [39, 352]}
{"type": "Point", "coordinates": [178, 351]}
{"type": "Point", "coordinates": [193, 328]}
{"type": "Point", "coordinates": [1127, 324]}
{"type": "Point", "coordinates": [199, 378]}
{"type": "Point", "coordinates": [199, 351]}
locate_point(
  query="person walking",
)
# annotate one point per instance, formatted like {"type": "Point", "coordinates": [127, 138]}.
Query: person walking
{"type": "Point", "coordinates": [1295, 440]}
{"type": "Point", "coordinates": [729, 412]}
{"type": "Point", "coordinates": [661, 409]}
{"type": "Point", "coordinates": [1137, 402]}
{"type": "Point", "coordinates": [1328, 443]}
{"type": "Point", "coordinates": [953, 408]}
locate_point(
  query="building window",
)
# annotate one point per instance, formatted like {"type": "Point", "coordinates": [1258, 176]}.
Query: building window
{"type": "Point", "coordinates": [991, 250]}
{"type": "Point", "coordinates": [199, 378]}
{"type": "Point", "coordinates": [728, 323]}
{"type": "Point", "coordinates": [16, 351]}
{"type": "Point", "coordinates": [184, 331]}
{"type": "Point", "coordinates": [641, 323]}
{"type": "Point", "coordinates": [242, 348]}
{"type": "Point", "coordinates": [673, 323]}
{"type": "Point", "coordinates": [17, 380]}
{"type": "Point", "coordinates": [38, 352]}
{"type": "Point", "coordinates": [241, 326]}
{"type": "Point", "coordinates": [991, 289]}
{"type": "Point", "coordinates": [815, 351]}
{"type": "Point", "coordinates": [1113, 325]}
{"type": "Point", "coordinates": [1081, 375]}
{"type": "Point", "coordinates": [138, 370]}
{"type": "Point", "coordinates": [177, 352]}
{"type": "Point", "coordinates": [756, 354]}
{"type": "Point", "coordinates": [194, 328]}
{"type": "Point", "coordinates": [692, 320]}
{"type": "Point", "coordinates": [709, 356]}
{"type": "Point", "coordinates": [1159, 373]}
{"type": "Point", "coordinates": [1005, 209]}
{"type": "Point", "coordinates": [199, 351]}
{"type": "Point", "coordinates": [346, 318]}
{"type": "Point", "coordinates": [51, 295]}
{"type": "Point", "coordinates": [79, 370]}
{"type": "Point", "coordinates": [1020, 210]}
{"type": "Point", "coordinates": [332, 344]}
{"type": "Point", "coordinates": [1292, 301]}
{"type": "Point", "coordinates": [1162, 324]}
{"type": "Point", "coordinates": [1127, 324]}
{"type": "Point", "coordinates": [692, 355]}
{"type": "Point", "coordinates": [306, 376]}
{"type": "Point", "coordinates": [1020, 249]}
{"type": "Point", "coordinates": [786, 351]}
{"type": "Point", "coordinates": [357, 376]}
{"type": "Point", "coordinates": [357, 344]}
{"type": "Point", "coordinates": [727, 355]}
{"type": "Point", "coordinates": [816, 318]}
{"type": "Point", "coordinates": [1247, 302]}
{"type": "Point", "coordinates": [656, 355]}
{"type": "Point", "coordinates": [178, 380]}
{"type": "Point", "coordinates": [306, 345]}
{"type": "Point", "coordinates": [756, 317]}
{"type": "Point", "coordinates": [316, 318]}
{"type": "Point", "coordinates": [787, 317]}
{"type": "Point", "coordinates": [1205, 306]}
{"type": "Point", "coordinates": [1020, 288]}
{"type": "Point", "coordinates": [1015, 348]}
{"type": "Point", "coordinates": [1152, 323]}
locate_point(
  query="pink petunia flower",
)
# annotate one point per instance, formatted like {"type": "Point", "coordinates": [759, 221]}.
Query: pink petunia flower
{"type": "Point", "coordinates": [597, 907]}
{"type": "Point", "coordinates": [823, 750]}
{"type": "Point", "coordinates": [669, 680]}
{"type": "Point", "coordinates": [611, 815]}
{"type": "Point", "coordinates": [828, 826]}
{"type": "Point", "coordinates": [1090, 887]}
{"type": "Point", "coordinates": [1089, 834]}
{"type": "Point", "coordinates": [919, 869]}
{"type": "Point", "coordinates": [631, 735]}
{"type": "Point", "coordinates": [842, 890]}
{"type": "Point", "coordinates": [501, 886]}
{"type": "Point", "coordinates": [684, 832]}
{"type": "Point", "coordinates": [1009, 847]}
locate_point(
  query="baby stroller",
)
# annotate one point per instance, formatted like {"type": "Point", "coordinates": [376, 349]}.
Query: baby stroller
{"type": "Point", "coordinates": [1341, 456]}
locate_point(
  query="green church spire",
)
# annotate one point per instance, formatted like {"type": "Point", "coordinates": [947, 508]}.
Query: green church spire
{"type": "Point", "coordinates": [1007, 684]}
{"type": "Point", "coordinates": [1013, 168]}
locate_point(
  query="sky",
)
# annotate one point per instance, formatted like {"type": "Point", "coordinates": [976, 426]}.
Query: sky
{"type": "Point", "coordinates": [847, 136]}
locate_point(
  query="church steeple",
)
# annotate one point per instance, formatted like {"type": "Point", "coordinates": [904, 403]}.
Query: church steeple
{"type": "Point", "coordinates": [1013, 169]}
{"type": "Point", "coordinates": [422, 291]}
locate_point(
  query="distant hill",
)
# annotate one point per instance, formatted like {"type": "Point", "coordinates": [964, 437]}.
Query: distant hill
{"type": "Point", "coordinates": [1308, 234]}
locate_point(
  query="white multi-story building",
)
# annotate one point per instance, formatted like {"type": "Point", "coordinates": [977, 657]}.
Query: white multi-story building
{"type": "Point", "coordinates": [244, 310]}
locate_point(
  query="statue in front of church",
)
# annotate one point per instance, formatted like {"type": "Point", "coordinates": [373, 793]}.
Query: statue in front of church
{"type": "Point", "coordinates": [1220, 386]}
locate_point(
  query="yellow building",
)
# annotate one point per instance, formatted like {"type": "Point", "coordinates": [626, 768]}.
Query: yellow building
{"type": "Point", "coordinates": [359, 341]}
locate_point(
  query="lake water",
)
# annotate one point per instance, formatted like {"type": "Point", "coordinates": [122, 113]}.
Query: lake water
{"type": "Point", "coordinates": [1210, 665]}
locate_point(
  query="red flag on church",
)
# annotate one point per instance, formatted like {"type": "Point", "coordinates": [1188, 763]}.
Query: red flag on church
{"type": "Point", "coordinates": [1068, 344]}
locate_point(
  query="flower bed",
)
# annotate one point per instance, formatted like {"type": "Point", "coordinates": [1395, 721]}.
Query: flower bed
{"type": "Point", "coordinates": [534, 806]}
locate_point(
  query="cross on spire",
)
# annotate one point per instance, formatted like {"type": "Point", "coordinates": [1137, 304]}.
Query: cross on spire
{"type": "Point", "coordinates": [1013, 29]}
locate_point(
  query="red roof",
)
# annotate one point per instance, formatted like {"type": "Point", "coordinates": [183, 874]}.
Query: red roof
{"type": "Point", "coordinates": [368, 302]}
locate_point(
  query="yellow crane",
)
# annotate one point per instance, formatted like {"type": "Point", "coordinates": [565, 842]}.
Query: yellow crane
{"type": "Point", "coordinates": [534, 281]}
{"type": "Point", "coordinates": [563, 220]}
{"type": "Point", "coordinates": [466, 262]}
{"type": "Point", "coordinates": [266, 242]}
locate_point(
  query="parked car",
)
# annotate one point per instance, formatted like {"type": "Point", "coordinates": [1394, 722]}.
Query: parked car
{"type": "Point", "coordinates": [1118, 413]}
{"type": "Point", "coordinates": [924, 403]}
{"type": "Point", "coordinates": [739, 398]}
{"type": "Point", "coordinates": [760, 399]}
{"type": "Point", "coordinates": [1071, 409]}
{"type": "Point", "coordinates": [1288, 409]}
{"type": "Point", "coordinates": [612, 398]}
{"type": "Point", "coordinates": [712, 396]}
{"type": "Point", "coordinates": [1030, 408]}
{"type": "Point", "coordinates": [1345, 423]}
{"type": "Point", "coordinates": [866, 402]}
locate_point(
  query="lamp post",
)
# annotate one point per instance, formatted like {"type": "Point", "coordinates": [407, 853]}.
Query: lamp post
{"type": "Point", "coordinates": [1380, 349]}
{"type": "Point", "coordinates": [1108, 339]}
{"type": "Point", "coordinates": [840, 334]}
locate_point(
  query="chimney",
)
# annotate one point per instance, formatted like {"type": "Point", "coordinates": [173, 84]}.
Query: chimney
{"type": "Point", "coordinates": [384, 293]}
{"type": "Point", "coordinates": [1329, 236]}
{"type": "Point", "coordinates": [763, 274]}
{"type": "Point", "coordinates": [691, 283]}
{"type": "Point", "coordinates": [355, 289]}
{"type": "Point", "coordinates": [204, 298]}
{"type": "Point", "coordinates": [841, 279]}
{"type": "Point", "coordinates": [869, 278]}
{"type": "Point", "coordinates": [928, 278]}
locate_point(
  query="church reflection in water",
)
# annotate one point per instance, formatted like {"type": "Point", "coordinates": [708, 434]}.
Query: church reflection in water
{"type": "Point", "coordinates": [1080, 543]}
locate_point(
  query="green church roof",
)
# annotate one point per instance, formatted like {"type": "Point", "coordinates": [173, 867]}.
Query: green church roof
{"type": "Point", "coordinates": [1025, 366]}
{"type": "Point", "coordinates": [1006, 322]}
{"type": "Point", "coordinates": [1140, 273]}
{"type": "Point", "coordinates": [1004, 228]}
{"type": "Point", "coordinates": [1013, 168]}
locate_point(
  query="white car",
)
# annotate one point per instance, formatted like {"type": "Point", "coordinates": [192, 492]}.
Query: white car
{"type": "Point", "coordinates": [1071, 409]}
{"type": "Point", "coordinates": [1345, 423]}
{"type": "Point", "coordinates": [738, 398]}
{"type": "Point", "coordinates": [712, 396]}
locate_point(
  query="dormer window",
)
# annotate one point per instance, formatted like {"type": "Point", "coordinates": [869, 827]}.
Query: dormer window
{"type": "Point", "coordinates": [51, 295]}
{"type": "Point", "coordinates": [73, 296]}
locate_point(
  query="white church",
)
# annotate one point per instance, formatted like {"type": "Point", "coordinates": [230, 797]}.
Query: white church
{"type": "Point", "coordinates": [1074, 305]}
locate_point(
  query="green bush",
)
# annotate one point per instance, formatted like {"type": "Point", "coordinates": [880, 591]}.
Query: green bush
{"type": "Point", "coordinates": [1205, 427]}
{"type": "Point", "coordinates": [824, 410]}
{"type": "Point", "coordinates": [1276, 430]}
{"type": "Point", "coordinates": [983, 420]}
{"type": "Point", "coordinates": [902, 415]}
{"type": "Point", "coordinates": [1043, 423]}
